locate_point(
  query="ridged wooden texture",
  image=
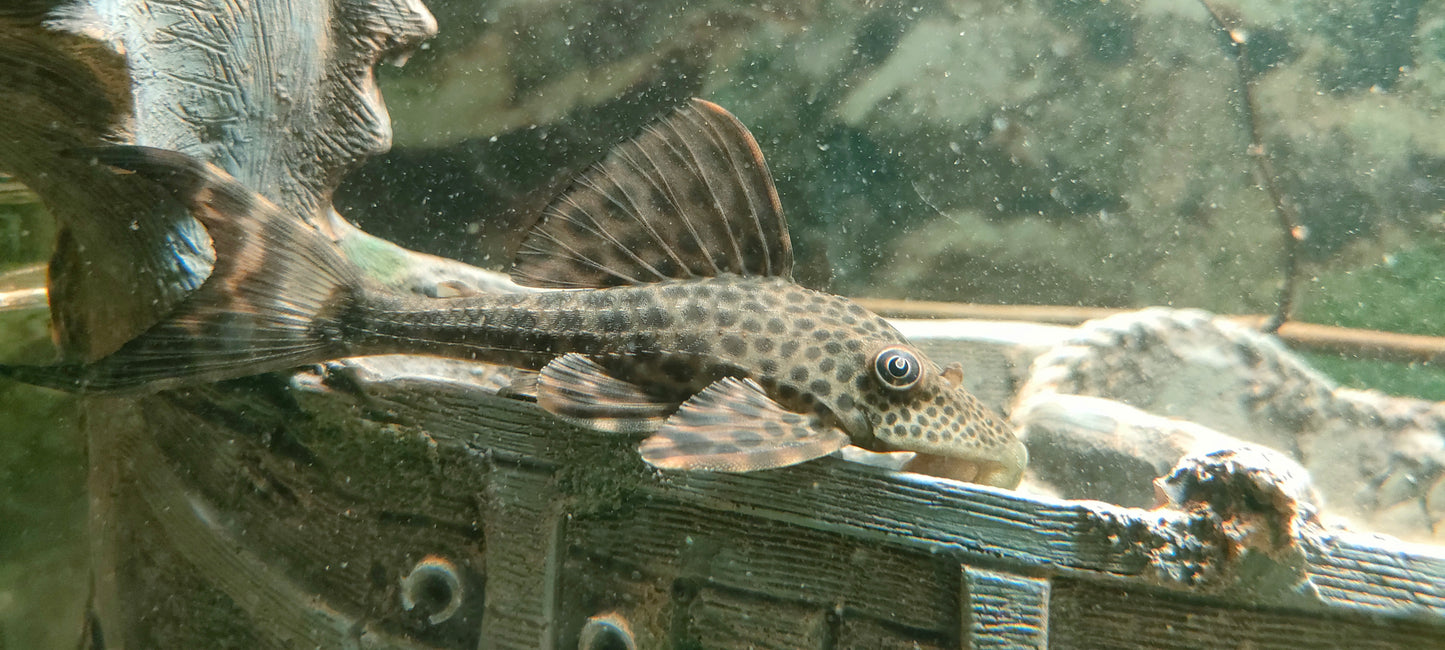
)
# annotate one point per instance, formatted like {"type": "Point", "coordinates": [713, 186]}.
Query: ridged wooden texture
{"type": "Point", "coordinates": [272, 522]}
{"type": "Point", "coordinates": [238, 518]}
{"type": "Point", "coordinates": [1004, 610]}
{"type": "Point", "coordinates": [833, 555]}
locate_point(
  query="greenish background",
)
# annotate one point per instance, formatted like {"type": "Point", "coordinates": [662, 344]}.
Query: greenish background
{"type": "Point", "coordinates": [1070, 152]}
{"type": "Point", "coordinates": [43, 572]}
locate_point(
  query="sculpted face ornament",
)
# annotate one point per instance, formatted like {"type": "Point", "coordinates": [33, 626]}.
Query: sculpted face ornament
{"type": "Point", "coordinates": [897, 368]}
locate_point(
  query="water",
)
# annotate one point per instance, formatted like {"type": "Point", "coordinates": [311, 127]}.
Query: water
{"type": "Point", "coordinates": [1037, 153]}
{"type": "Point", "coordinates": [1100, 154]}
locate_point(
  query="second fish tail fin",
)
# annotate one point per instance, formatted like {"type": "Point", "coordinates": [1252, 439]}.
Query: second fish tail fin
{"type": "Point", "coordinates": [273, 300]}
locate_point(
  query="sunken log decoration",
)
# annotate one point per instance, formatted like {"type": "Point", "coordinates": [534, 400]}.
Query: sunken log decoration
{"type": "Point", "coordinates": [308, 527]}
{"type": "Point", "coordinates": [398, 502]}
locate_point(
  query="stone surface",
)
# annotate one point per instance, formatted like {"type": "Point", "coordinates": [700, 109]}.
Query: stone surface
{"type": "Point", "coordinates": [246, 515]}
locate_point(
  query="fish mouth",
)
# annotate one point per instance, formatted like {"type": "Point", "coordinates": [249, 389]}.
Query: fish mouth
{"type": "Point", "coordinates": [1006, 472]}
{"type": "Point", "coordinates": [958, 469]}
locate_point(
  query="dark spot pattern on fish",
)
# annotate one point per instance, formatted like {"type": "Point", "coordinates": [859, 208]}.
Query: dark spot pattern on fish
{"type": "Point", "coordinates": [612, 321]}
{"type": "Point", "coordinates": [734, 345]}
{"type": "Point", "coordinates": [654, 317]}
{"type": "Point", "coordinates": [682, 291]}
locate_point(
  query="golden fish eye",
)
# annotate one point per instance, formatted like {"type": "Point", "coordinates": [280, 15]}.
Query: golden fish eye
{"type": "Point", "coordinates": [897, 368]}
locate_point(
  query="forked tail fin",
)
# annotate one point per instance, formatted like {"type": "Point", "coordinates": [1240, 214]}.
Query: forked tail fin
{"type": "Point", "coordinates": [271, 302]}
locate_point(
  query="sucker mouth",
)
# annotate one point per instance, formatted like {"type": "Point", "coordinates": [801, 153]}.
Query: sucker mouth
{"type": "Point", "coordinates": [949, 467]}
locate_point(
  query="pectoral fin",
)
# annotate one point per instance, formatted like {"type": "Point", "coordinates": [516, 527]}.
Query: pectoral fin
{"type": "Point", "coordinates": [733, 426]}
{"type": "Point", "coordinates": [576, 389]}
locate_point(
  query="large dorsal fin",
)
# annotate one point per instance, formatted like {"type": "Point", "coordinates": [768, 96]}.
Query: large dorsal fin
{"type": "Point", "coordinates": [689, 197]}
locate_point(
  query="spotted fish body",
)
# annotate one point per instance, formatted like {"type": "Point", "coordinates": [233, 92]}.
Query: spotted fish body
{"type": "Point", "coordinates": [679, 320]}
{"type": "Point", "coordinates": [808, 351]}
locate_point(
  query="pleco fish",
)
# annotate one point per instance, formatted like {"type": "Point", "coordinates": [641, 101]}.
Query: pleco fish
{"type": "Point", "coordinates": [677, 316]}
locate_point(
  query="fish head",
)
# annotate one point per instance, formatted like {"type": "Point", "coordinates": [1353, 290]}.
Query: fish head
{"type": "Point", "coordinates": [914, 405]}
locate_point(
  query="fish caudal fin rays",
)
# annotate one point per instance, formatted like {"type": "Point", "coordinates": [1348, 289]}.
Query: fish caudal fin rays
{"type": "Point", "coordinates": [732, 426]}
{"type": "Point", "coordinates": [576, 389]}
{"type": "Point", "coordinates": [264, 307]}
{"type": "Point", "coordinates": [183, 176]}
{"type": "Point", "coordinates": [690, 197]}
